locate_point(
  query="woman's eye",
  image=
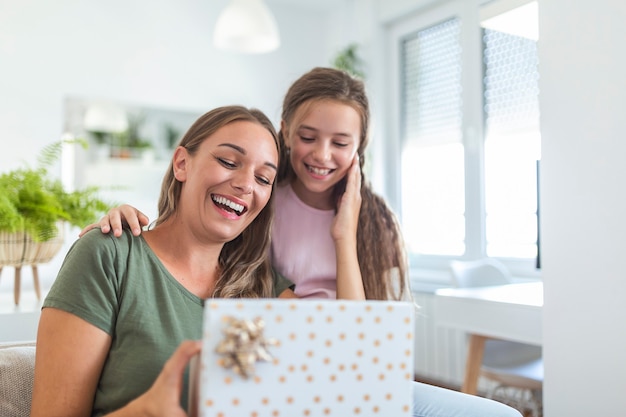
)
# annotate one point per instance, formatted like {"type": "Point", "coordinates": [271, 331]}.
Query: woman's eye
{"type": "Point", "coordinates": [226, 163]}
{"type": "Point", "coordinates": [264, 180]}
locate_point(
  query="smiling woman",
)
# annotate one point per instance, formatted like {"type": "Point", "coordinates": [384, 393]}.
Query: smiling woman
{"type": "Point", "coordinates": [117, 299]}
{"type": "Point", "coordinates": [238, 180]}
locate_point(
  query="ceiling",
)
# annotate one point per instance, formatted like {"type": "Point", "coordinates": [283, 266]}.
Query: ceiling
{"type": "Point", "coordinates": [307, 4]}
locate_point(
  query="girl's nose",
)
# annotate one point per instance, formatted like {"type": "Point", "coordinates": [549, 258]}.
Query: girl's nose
{"type": "Point", "coordinates": [322, 152]}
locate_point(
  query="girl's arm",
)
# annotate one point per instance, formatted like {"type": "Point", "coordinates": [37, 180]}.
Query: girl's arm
{"type": "Point", "coordinates": [69, 358]}
{"type": "Point", "coordinates": [344, 228]}
{"type": "Point", "coordinates": [288, 293]}
{"type": "Point", "coordinates": [118, 217]}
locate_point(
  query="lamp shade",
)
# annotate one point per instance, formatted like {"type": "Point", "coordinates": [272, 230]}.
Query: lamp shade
{"type": "Point", "coordinates": [246, 26]}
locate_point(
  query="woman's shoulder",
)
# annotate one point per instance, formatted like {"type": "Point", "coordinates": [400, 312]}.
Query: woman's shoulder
{"type": "Point", "coordinates": [95, 236]}
{"type": "Point", "coordinates": [95, 241]}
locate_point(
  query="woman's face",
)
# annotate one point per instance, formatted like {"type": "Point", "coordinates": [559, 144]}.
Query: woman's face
{"type": "Point", "coordinates": [323, 139]}
{"type": "Point", "coordinates": [228, 181]}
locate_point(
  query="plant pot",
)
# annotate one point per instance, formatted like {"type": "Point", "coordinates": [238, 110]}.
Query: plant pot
{"type": "Point", "coordinates": [18, 249]}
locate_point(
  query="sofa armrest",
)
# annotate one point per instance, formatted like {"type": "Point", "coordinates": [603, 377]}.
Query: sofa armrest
{"type": "Point", "coordinates": [17, 368]}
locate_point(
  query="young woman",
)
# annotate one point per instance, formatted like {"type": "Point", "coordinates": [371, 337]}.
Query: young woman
{"type": "Point", "coordinates": [333, 237]}
{"type": "Point", "coordinates": [119, 308]}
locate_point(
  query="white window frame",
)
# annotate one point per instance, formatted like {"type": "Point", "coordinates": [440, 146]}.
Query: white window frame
{"type": "Point", "coordinates": [435, 268]}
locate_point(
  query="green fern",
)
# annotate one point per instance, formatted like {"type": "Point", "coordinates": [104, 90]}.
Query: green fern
{"type": "Point", "coordinates": [32, 202]}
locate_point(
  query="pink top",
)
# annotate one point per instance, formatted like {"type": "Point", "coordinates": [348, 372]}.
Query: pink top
{"type": "Point", "coordinates": [302, 248]}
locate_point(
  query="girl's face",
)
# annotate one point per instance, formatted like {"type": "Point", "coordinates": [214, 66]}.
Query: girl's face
{"type": "Point", "coordinates": [323, 139]}
{"type": "Point", "coordinates": [228, 181]}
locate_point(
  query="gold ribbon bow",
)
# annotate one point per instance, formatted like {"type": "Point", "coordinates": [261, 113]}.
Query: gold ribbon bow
{"type": "Point", "coordinates": [244, 345]}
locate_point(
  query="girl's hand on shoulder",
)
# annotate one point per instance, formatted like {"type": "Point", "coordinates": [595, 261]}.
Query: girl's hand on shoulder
{"type": "Point", "coordinates": [117, 218]}
{"type": "Point", "coordinates": [347, 218]}
{"type": "Point", "coordinates": [163, 397]}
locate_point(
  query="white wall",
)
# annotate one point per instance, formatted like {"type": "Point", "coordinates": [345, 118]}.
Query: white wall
{"type": "Point", "coordinates": [158, 54]}
{"type": "Point", "coordinates": [155, 54]}
{"type": "Point", "coordinates": [583, 100]}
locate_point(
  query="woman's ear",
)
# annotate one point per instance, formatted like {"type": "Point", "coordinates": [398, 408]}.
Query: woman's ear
{"type": "Point", "coordinates": [179, 163]}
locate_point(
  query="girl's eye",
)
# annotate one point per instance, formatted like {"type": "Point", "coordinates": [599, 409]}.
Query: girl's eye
{"type": "Point", "coordinates": [306, 140]}
{"type": "Point", "coordinates": [226, 163]}
{"type": "Point", "coordinates": [341, 144]}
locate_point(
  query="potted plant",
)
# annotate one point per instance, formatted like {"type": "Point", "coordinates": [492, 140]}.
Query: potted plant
{"type": "Point", "coordinates": [33, 209]}
{"type": "Point", "coordinates": [130, 143]}
{"type": "Point", "coordinates": [348, 59]}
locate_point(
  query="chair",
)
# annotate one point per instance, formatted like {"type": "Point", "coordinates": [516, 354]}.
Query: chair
{"type": "Point", "coordinates": [515, 369]}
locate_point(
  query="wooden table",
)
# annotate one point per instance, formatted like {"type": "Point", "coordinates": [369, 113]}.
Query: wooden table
{"type": "Point", "coordinates": [509, 312]}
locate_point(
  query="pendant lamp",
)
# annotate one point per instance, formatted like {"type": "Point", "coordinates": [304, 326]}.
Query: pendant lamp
{"type": "Point", "coordinates": [246, 26]}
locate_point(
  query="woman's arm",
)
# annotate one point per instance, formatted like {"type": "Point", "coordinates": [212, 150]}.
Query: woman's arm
{"type": "Point", "coordinates": [116, 218]}
{"type": "Point", "coordinates": [69, 358]}
{"type": "Point", "coordinates": [344, 229]}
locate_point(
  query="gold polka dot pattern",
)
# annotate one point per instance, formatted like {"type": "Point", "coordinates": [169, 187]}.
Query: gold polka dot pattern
{"type": "Point", "coordinates": [335, 358]}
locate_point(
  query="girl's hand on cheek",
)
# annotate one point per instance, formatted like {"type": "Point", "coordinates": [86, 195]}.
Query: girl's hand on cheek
{"type": "Point", "coordinates": [347, 218]}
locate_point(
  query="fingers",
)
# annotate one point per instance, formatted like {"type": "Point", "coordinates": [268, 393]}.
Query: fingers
{"type": "Point", "coordinates": [163, 397]}
{"type": "Point", "coordinates": [346, 220]}
{"type": "Point", "coordinates": [354, 178]}
{"type": "Point", "coordinates": [175, 366]}
{"type": "Point", "coordinates": [104, 224]}
{"type": "Point", "coordinates": [133, 217]}
{"type": "Point", "coordinates": [93, 226]}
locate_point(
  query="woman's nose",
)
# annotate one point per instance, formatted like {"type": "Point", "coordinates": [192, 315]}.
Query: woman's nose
{"type": "Point", "coordinates": [243, 182]}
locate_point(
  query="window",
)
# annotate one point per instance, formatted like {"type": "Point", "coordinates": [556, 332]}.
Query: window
{"type": "Point", "coordinates": [467, 99]}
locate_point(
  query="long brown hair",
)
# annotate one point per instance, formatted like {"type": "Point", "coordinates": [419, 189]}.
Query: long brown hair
{"type": "Point", "coordinates": [244, 265]}
{"type": "Point", "coordinates": [380, 246]}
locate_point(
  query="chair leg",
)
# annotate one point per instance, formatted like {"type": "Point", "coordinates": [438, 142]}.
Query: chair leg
{"type": "Point", "coordinates": [16, 287]}
{"type": "Point", "coordinates": [536, 405]}
{"type": "Point", "coordinates": [36, 282]}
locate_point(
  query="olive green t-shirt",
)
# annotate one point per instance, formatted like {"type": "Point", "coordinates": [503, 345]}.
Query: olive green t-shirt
{"type": "Point", "coordinates": [120, 286]}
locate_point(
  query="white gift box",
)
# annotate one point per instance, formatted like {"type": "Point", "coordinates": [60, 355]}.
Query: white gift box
{"type": "Point", "coordinates": [328, 358]}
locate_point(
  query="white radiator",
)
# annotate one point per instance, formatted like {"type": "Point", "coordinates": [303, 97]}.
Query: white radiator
{"type": "Point", "coordinates": [439, 351]}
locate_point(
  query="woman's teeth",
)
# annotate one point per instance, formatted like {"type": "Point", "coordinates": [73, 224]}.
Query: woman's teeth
{"type": "Point", "coordinates": [238, 208]}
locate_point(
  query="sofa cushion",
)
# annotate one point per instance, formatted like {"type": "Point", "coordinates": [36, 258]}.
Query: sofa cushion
{"type": "Point", "coordinates": [17, 367]}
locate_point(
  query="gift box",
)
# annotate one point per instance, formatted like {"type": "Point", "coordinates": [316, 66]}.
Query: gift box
{"type": "Point", "coordinates": [304, 358]}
